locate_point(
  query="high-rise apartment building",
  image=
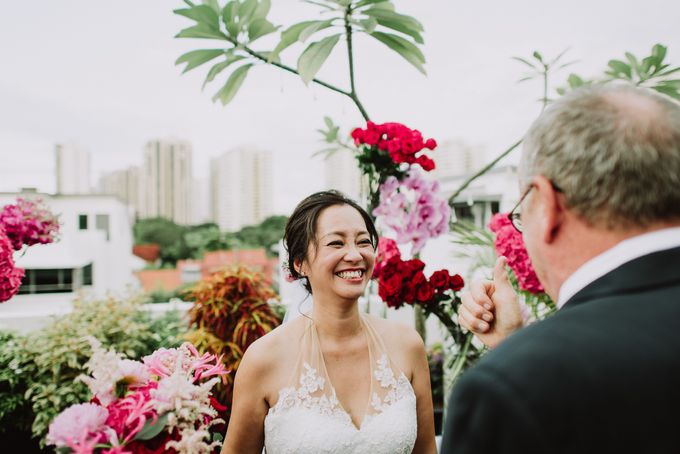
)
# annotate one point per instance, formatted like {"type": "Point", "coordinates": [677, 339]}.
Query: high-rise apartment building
{"type": "Point", "coordinates": [125, 184]}
{"type": "Point", "coordinates": [166, 180]}
{"type": "Point", "coordinates": [241, 188]}
{"type": "Point", "coordinates": [72, 169]}
{"type": "Point", "coordinates": [342, 173]}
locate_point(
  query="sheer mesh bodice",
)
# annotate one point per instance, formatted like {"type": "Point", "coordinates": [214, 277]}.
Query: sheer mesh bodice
{"type": "Point", "coordinates": [308, 418]}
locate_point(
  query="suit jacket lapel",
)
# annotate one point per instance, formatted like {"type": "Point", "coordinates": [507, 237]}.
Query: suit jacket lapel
{"type": "Point", "coordinates": [650, 271]}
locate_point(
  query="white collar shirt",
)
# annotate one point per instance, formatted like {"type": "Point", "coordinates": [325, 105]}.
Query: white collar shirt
{"type": "Point", "coordinates": [623, 252]}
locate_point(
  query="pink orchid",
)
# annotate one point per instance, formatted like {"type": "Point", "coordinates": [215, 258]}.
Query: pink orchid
{"type": "Point", "coordinates": [413, 208]}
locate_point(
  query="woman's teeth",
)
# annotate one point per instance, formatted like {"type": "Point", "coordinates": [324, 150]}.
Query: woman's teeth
{"type": "Point", "coordinates": [350, 274]}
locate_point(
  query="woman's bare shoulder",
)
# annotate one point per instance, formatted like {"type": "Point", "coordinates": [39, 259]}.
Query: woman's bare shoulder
{"type": "Point", "coordinates": [396, 333]}
{"type": "Point", "coordinates": [404, 344]}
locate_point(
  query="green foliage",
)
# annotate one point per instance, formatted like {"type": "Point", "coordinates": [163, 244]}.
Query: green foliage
{"type": "Point", "coordinates": [240, 23]}
{"type": "Point", "coordinates": [651, 71]}
{"type": "Point", "coordinates": [265, 234]}
{"type": "Point", "coordinates": [542, 69]}
{"type": "Point", "coordinates": [191, 242]}
{"type": "Point", "coordinates": [47, 362]}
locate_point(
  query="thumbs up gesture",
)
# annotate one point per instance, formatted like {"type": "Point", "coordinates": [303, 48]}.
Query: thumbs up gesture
{"type": "Point", "coordinates": [491, 309]}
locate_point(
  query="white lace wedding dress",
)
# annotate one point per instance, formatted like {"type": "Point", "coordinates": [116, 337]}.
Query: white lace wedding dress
{"type": "Point", "coordinates": [308, 418]}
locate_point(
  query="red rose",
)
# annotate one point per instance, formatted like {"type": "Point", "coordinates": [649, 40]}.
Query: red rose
{"type": "Point", "coordinates": [390, 286]}
{"type": "Point", "coordinates": [393, 146]}
{"type": "Point", "coordinates": [424, 292]}
{"type": "Point", "coordinates": [358, 136]}
{"type": "Point", "coordinates": [431, 144]}
{"type": "Point", "coordinates": [371, 138]}
{"type": "Point", "coordinates": [426, 163]}
{"type": "Point", "coordinates": [440, 279]}
{"type": "Point", "coordinates": [456, 282]}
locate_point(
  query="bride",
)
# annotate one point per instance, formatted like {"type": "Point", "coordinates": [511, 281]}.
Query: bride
{"type": "Point", "coordinates": [351, 383]}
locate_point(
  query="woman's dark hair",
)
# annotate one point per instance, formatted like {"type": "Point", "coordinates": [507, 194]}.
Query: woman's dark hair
{"type": "Point", "coordinates": [301, 226]}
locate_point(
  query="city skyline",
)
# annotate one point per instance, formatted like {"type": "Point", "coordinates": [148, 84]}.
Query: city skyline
{"type": "Point", "coordinates": [111, 91]}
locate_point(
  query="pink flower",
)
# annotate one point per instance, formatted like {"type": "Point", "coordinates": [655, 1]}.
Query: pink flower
{"type": "Point", "coordinates": [413, 208]}
{"type": "Point", "coordinates": [387, 248]}
{"type": "Point", "coordinates": [78, 427]}
{"type": "Point", "coordinates": [10, 276]}
{"type": "Point", "coordinates": [510, 243]}
{"type": "Point", "coordinates": [29, 222]}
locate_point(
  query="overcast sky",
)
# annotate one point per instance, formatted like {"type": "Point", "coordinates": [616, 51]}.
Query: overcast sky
{"type": "Point", "coordinates": [102, 74]}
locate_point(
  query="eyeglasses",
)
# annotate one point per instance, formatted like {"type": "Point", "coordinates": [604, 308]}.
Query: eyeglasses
{"type": "Point", "coordinates": [515, 216]}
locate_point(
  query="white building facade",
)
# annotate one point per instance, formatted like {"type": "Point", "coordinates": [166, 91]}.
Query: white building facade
{"type": "Point", "coordinates": [167, 180]}
{"type": "Point", "coordinates": [72, 168]}
{"type": "Point", "coordinates": [93, 254]}
{"type": "Point", "coordinates": [241, 189]}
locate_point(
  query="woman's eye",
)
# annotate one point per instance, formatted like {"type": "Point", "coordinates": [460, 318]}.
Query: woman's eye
{"type": "Point", "coordinates": [365, 242]}
{"type": "Point", "coordinates": [335, 243]}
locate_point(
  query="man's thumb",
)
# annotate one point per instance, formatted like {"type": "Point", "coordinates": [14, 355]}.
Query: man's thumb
{"type": "Point", "coordinates": [500, 275]}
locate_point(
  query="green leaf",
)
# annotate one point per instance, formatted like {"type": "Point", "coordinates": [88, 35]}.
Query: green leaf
{"type": "Point", "coordinates": [201, 31]}
{"type": "Point", "coordinates": [669, 91]}
{"type": "Point", "coordinates": [262, 9]}
{"type": "Point", "coordinates": [633, 62]}
{"type": "Point", "coordinates": [314, 56]}
{"type": "Point", "coordinates": [668, 72]}
{"type": "Point", "coordinates": [219, 67]}
{"type": "Point", "coordinates": [260, 27]}
{"type": "Point", "coordinates": [246, 11]}
{"type": "Point", "coordinates": [313, 28]}
{"type": "Point", "coordinates": [368, 25]}
{"type": "Point", "coordinates": [381, 5]}
{"type": "Point", "coordinates": [538, 56]}
{"type": "Point", "coordinates": [367, 2]}
{"type": "Point", "coordinates": [202, 14]}
{"type": "Point", "coordinates": [151, 428]}
{"type": "Point", "coordinates": [575, 81]}
{"type": "Point", "coordinates": [197, 58]}
{"type": "Point", "coordinates": [525, 61]}
{"type": "Point", "coordinates": [63, 450]}
{"type": "Point", "coordinates": [403, 28]}
{"type": "Point", "coordinates": [659, 52]}
{"type": "Point", "coordinates": [390, 16]}
{"type": "Point", "coordinates": [214, 5]}
{"type": "Point", "coordinates": [290, 36]}
{"type": "Point", "coordinates": [619, 67]}
{"type": "Point", "coordinates": [403, 47]}
{"type": "Point", "coordinates": [229, 17]}
{"type": "Point", "coordinates": [231, 87]}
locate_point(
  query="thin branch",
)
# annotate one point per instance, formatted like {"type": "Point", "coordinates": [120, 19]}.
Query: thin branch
{"type": "Point", "coordinates": [486, 168]}
{"type": "Point", "coordinates": [350, 57]}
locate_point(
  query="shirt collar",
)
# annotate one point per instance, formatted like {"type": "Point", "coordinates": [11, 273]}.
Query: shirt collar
{"type": "Point", "coordinates": [623, 252]}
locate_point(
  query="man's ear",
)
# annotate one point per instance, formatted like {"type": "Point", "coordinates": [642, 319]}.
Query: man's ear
{"type": "Point", "coordinates": [551, 208]}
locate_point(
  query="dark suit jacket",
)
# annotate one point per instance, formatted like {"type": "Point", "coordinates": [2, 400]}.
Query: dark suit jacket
{"type": "Point", "coordinates": [602, 375]}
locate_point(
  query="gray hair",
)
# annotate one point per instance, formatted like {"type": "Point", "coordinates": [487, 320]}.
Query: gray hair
{"type": "Point", "coordinates": [614, 151]}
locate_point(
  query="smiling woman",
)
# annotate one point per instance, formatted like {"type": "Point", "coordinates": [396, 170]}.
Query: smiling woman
{"type": "Point", "coordinates": [335, 380]}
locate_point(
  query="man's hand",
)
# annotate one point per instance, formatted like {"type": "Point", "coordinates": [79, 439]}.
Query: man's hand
{"type": "Point", "coordinates": [491, 309]}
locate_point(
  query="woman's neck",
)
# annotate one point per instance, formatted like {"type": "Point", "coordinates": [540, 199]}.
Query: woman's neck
{"type": "Point", "coordinates": [336, 320]}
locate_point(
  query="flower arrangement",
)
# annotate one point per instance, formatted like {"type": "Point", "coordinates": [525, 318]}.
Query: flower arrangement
{"type": "Point", "coordinates": [24, 223]}
{"type": "Point", "coordinates": [389, 150]}
{"type": "Point", "coordinates": [160, 404]}
{"type": "Point", "coordinates": [400, 142]}
{"type": "Point", "coordinates": [403, 281]}
{"type": "Point", "coordinates": [413, 209]}
{"type": "Point", "coordinates": [509, 243]}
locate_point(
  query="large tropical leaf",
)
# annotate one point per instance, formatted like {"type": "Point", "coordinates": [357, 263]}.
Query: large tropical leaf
{"type": "Point", "coordinates": [292, 34]}
{"type": "Point", "coordinates": [403, 47]}
{"type": "Point", "coordinates": [231, 87]}
{"type": "Point", "coordinates": [219, 67]}
{"type": "Point", "coordinates": [198, 57]}
{"type": "Point", "coordinates": [314, 56]}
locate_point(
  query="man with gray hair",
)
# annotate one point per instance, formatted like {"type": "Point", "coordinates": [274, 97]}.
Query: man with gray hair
{"type": "Point", "coordinates": [600, 217]}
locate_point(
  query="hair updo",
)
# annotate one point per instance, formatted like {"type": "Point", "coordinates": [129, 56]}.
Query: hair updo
{"type": "Point", "coordinates": [301, 227]}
